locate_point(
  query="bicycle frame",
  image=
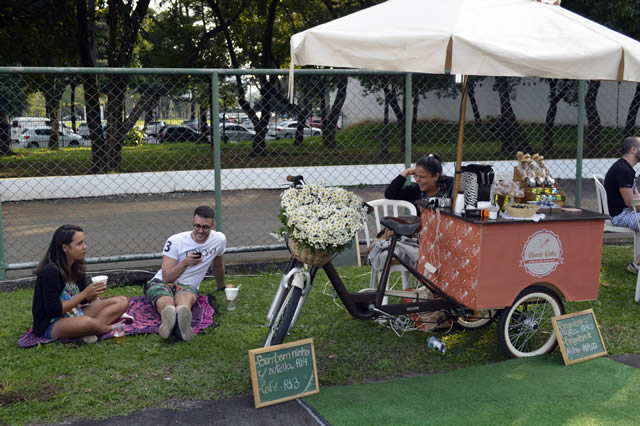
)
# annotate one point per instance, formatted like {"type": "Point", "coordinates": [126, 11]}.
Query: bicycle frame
{"type": "Point", "coordinates": [368, 304]}
{"type": "Point", "coordinates": [365, 305]}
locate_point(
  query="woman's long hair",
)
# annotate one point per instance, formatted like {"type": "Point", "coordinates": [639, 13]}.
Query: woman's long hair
{"type": "Point", "coordinates": [57, 257]}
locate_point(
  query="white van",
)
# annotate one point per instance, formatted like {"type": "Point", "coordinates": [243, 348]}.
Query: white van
{"type": "Point", "coordinates": [19, 124]}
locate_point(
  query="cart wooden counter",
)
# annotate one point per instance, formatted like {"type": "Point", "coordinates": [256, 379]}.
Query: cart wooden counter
{"type": "Point", "coordinates": [485, 264]}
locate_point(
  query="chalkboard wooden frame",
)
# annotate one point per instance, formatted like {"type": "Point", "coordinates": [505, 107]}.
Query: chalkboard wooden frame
{"type": "Point", "coordinates": [257, 396]}
{"type": "Point", "coordinates": [561, 342]}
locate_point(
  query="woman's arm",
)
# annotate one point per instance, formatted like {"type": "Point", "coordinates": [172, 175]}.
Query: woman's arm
{"type": "Point", "coordinates": [397, 190]}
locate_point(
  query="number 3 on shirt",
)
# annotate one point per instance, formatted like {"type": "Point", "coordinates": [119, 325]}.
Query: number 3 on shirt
{"type": "Point", "coordinates": [168, 246]}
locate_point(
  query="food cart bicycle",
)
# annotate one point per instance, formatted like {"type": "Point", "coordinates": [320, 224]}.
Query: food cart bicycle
{"type": "Point", "coordinates": [515, 271]}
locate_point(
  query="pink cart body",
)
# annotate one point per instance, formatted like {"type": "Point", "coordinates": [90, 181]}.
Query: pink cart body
{"type": "Point", "coordinates": [486, 264]}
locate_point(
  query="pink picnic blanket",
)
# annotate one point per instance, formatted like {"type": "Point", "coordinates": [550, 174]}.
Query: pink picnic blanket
{"type": "Point", "coordinates": [145, 320]}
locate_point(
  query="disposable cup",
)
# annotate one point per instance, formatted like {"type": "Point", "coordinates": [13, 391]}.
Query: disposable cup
{"type": "Point", "coordinates": [99, 279]}
{"type": "Point", "coordinates": [232, 295]}
{"type": "Point", "coordinates": [118, 335]}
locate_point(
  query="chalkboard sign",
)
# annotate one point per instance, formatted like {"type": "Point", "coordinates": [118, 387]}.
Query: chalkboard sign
{"type": "Point", "coordinates": [283, 372]}
{"type": "Point", "coordinates": [579, 336]}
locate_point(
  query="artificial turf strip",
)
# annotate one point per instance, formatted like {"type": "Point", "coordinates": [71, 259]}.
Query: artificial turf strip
{"type": "Point", "coordinates": [539, 390]}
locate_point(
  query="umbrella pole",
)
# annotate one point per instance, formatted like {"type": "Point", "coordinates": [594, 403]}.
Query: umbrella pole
{"type": "Point", "coordinates": [463, 109]}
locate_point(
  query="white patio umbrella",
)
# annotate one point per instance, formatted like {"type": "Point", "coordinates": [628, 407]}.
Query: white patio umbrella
{"type": "Point", "coordinates": [518, 38]}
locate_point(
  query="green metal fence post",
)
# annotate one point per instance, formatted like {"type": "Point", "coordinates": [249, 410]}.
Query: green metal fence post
{"type": "Point", "coordinates": [408, 102]}
{"type": "Point", "coordinates": [580, 142]}
{"type": "Point", "coordinates": [215, 111]}
{"type": "Point", "coordinates": [3, 265]}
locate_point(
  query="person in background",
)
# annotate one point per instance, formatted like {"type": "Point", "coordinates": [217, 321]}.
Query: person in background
{"type": "Point", "coordinates": [619, 183]}
{"type": "Point", "coordinates": [185, 261]}
{"type": "Point", "coordinates": [429, 181]}
{"type": "Point", "coordinates": [64, 305]}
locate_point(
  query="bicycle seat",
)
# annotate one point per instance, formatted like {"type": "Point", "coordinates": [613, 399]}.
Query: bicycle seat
{"type": "Point", "coordinates": [403, 225]}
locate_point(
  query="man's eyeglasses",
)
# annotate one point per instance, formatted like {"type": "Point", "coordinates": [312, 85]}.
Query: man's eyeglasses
{"type": "Point", "coordinates": [205, 228]}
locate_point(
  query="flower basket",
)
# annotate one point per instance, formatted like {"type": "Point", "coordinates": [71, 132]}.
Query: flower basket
{"type": "Point", "coordinates": [305, 255]}
{"type": "Point", "coordinates": [319, 221]}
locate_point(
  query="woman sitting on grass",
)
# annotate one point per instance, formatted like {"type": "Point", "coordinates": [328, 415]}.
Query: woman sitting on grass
{"type": "Point", "coordinates": [64, 306]}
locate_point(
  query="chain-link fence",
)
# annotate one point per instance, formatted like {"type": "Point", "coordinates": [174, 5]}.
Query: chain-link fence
{"type": "Point", "coordinates": [128, 154]}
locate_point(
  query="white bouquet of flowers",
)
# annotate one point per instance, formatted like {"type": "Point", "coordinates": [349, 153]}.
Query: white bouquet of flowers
{"type": "Point", "coordinates": [321, 218]}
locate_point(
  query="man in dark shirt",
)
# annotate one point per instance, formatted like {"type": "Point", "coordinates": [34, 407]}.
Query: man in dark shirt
{"type": "Point", "coordinates": [619, 183]}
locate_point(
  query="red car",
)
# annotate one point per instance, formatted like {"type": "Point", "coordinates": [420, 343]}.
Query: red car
{"type": "Point", "coordinates": [317, 123]}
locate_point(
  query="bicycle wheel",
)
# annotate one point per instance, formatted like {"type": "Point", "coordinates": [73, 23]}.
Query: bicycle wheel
{"type": "Point", "coordinates": [525, 329]}
{"type": "Point", "coordinates": [278, 330]}
{"type": "Point", "coordinates": [471, 323]}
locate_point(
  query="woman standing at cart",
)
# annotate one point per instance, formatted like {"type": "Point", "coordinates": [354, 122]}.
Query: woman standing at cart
{"type": "Point", "coordinates": [64, 306]}
{"type": "Point", "coordinates": [429, 181]}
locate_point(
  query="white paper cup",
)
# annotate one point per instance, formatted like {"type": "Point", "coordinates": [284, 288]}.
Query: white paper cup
{"type": "Point", "coordinates": [100, 279]}
{"type": "Point", "coordinates": [232, 294]}
{"type": "Point", "coordinates": [459, 203]}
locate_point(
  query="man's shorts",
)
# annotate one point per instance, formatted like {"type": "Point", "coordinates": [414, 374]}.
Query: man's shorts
{"type": "Point", "coordinates": [626, 218]}
{"type": "Point", "coordinates": [155, 288]}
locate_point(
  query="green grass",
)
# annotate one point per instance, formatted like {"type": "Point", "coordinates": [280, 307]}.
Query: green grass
{"type": "Point", "coordinates": [360, 144]}
{"type": "Point", "coordinates": [58, 381]}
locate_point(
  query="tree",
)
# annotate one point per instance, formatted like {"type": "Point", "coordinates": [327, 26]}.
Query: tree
{"type": "Point", "coordinates": [23, 23]}
{"type": "Point", "coordinates": [507, 128]}
{"type": "Point", "coordinates": [12, 102]}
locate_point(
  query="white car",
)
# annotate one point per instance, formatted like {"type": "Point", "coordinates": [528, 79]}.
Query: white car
{"type": "Point", "coordinates": [39, 138]}
{"type": "Point", "coordinates": [287, 129]}
{"type": "Point", "coordinates": [235, 132]}
{"type": "Point", "coordinates": [83, 130]}
{"type": "Point", "coordinates": [153, 128]}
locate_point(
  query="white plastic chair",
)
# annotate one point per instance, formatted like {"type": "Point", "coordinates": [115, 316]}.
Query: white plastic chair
{"type": "Point", "coordinates": [395, 208]}
{"type": "Point", "coordinates": [603, 207]}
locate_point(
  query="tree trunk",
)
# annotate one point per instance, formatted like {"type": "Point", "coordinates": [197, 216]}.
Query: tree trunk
{"type": "Point", "coordinates": [52, 98]}
{"type": "Point", "coordinates": [630, 125]}
{"type": "Point", "coordinates": [116, 130]}
{"type": "Point", "coordinates": [392, 96]}
{"type": "Point", "coordinates": [94, 122]}
{"type": "Point", "coordinates": [384, 152]}
{"type": "Point", "coordinates": [5, 137]}
{"type": "Point", "coordinates": [508, 129]}
{"type": "Point", "coordinates": [330, 122]}
{"type": "Point", "coordinates": [594, 127]}
{"type": "Point", "coordinates": [554, 99]}
{"type": "Point", "coordinates": [477, 119]}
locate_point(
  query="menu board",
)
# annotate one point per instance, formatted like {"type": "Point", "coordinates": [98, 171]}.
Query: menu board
{"type": "Point", "coordinates": [283, 372]}
{"type": "Point", "coordinates": [579, 336]}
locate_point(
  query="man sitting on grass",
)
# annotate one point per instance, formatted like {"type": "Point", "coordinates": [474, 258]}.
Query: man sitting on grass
{"type": "Point", "coordinates": [185, 261]}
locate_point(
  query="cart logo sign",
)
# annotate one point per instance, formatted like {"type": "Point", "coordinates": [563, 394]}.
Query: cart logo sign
{"type": "Point", "coordinates": [542, 253]}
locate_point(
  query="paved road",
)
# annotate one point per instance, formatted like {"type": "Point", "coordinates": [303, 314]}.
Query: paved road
{"type": "Point", "coordinates": [139, 224]}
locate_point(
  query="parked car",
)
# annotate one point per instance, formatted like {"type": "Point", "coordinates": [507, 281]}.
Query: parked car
{"type": "Point", "coordinates": [153, 128]}
{"type": "Point", "coordinates": [317, 123]}
{"type": "Point", "coordinates": [19, 124]}
{"type": "Point", "coordinates": [287, 129]}
{"type": "Point", "coordinates": [181, 134]}
{"type": "Point", "coordinates": [235, 132]}
{"type": "Point", "coordinates": [83, 130]}
{"type": "Point", "coordinates": [39, 138]}
{"type": "Point", "coordinates": [194, 124]}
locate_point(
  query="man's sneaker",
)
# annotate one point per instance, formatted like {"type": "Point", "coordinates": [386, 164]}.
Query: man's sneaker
{"type": "Point", "coordinates": [633, 268]}
{"type": "Point", "coordinates": [90, 339]}
{"type": "Point", "coordinates": [184, 330]}
{"type": "Point", "coordinates": [168, 321]}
